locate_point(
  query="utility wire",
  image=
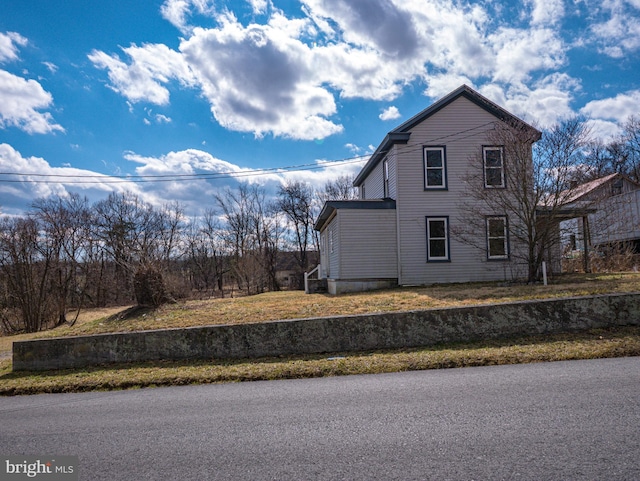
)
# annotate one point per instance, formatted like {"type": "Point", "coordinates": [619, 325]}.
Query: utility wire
{"type": "Point", "coordinates": [118, 179]}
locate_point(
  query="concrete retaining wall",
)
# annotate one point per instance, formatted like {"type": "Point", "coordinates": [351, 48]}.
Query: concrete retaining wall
{"type": "Point", "coordinates": [335, 334]}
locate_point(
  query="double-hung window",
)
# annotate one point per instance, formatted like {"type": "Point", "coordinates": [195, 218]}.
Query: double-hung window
{"type": "Point", "coordinates": [331, 241]}
{"type": "Point", "coordinates": [385, 175]}
{"type": "Point", "coordinates": [493, 160]}
{"type": "Point", "coordinates": [497, 238]}
{"type": "Point", "coordinates": [435, 168]}
{"type": "Point", "coordinates": [437, 239]}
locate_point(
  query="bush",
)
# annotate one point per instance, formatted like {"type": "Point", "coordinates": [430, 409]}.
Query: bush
{"type": "Point", "coordinates": [149, 288]}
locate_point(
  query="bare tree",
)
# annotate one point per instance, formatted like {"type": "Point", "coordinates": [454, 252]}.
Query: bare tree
{"type": "Point", "coordinates": [267, 230]}
{"type": "Point", "coordinates": [339, 189]}
{"type": "Point", "coordinates": [131, 233]}
{"type": "Point", "coordinates": [206, 254]}
{"type": "Point", "coordinates": [296, 201]}
{"type": "Point", "coordinates": [532, 191]}
{"type": "Point", "coordinates": [172, 225]}
{"type": "Point", "coordinates": [25, 264]}
{"type": "Point", "coordinates": [621, 154]}
{"type": "Point", "coordinates": [628, 149]}
{"type": "Point", "coordinates": [65, 223]}
{"type": "Point", "coordinates": [249, 234]}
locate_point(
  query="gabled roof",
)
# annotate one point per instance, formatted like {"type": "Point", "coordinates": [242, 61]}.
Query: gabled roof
{"type": "Point", "coordinates": [333, 205]}
{"type": "Point", "coordinates": [576, 193]}
{"type": "Point", "coordinates": [401, 134]}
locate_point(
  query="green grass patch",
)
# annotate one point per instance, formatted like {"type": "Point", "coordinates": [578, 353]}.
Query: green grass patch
{"type": "Point", "coordinates": [600, 343]}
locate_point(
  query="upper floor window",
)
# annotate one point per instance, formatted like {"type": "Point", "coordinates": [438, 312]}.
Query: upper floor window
{"type": "Point", "coordinates": [493, 160]}
{"type": "Point", "coordinates": [497, 238]}
{"type": "Point", "coordinates": [385, 174]}
{"type": "Point", "coordinates": [435, 174]}
{"type": "Point", "coordinates": [616, 187]}
{"type": "Point", "coordinates": [437, 239]}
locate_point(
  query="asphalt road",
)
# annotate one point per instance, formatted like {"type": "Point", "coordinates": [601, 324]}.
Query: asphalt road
{"type": "Point", "coordinates": [577, 420]}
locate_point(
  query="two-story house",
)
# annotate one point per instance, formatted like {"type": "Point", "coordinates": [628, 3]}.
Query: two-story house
{"type": "Point", "coordinates": [407, 228]}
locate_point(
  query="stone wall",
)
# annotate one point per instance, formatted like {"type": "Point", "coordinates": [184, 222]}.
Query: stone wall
{"type": "Point", "coordinates": [332, 334]}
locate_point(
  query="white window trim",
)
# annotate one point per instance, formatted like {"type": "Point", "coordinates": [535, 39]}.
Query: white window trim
{"type": "Point", "coordinates": [447, 256]}
{"type": "Point", "coordinates": [442, 151]}
{"type": "Point", "coordinates": [504, 237]}
{"type": "Point", "coordinates": [331, 241]}
{"type": "Point", "coordinates": [385, 178]}
{"type": "Point", "coordinates": [502, 184]}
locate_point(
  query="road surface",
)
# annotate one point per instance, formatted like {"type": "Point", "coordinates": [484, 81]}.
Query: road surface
{"type": "Point", "coordinates": [577, 420]}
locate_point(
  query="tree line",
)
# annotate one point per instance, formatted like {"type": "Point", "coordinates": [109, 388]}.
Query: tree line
{"type": "Point", "coordinates": [66, 253]}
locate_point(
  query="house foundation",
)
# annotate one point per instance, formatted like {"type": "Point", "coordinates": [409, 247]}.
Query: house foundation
{"type": "Point", "coordinates": [343, 286]}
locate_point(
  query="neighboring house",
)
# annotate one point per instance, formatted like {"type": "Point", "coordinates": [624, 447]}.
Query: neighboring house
{"type": "Point", "coordinates": [288, 273]}
{"type": "Point", "coordinates": [404, 229]}
{"type": "Point", "coordinates": [615, 218]}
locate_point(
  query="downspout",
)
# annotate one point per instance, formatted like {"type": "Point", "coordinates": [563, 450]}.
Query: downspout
{"type": "Point", "coordinates": [586, 239]}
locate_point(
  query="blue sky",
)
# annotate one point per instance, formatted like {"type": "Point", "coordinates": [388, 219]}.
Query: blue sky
{"type": "Point", "coordinates": [96, 97]}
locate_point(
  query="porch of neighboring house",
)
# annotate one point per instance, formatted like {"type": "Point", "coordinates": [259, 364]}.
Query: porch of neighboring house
{"type": "Point", "coordinates": [609, 237]}
{"type": "Point", "coordinates": [555, 254]}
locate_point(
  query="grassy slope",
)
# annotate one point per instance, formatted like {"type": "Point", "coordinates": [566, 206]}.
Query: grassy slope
{"type": "Point", "coordinates": [290, 305]}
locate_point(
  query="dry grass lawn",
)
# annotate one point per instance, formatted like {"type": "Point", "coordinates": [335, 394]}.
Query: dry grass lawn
{"type": "Point", "coordinates": [295, 305]}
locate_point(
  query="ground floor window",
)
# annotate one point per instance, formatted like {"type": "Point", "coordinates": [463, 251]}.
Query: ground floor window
{"type": "Point", "coordinates": [437, 239]}
{"type": "Point", "coordinates": [497, 237]}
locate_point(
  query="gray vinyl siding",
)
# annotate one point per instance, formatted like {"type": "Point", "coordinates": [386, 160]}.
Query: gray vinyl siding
{"type": "Point", "coordinates": [364, 244]}
{"type": "Point", "coordinates": [414, 203]}
{"type": "Point", "coordinates": [374, 183]}
{"type": "Point", "coordinates": [333, 231]}
{"type": "Point", "coordinates": [393, 173]}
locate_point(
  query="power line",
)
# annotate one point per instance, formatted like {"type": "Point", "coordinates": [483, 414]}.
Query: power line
{"type": "Point", "coordinates": [120, 179]}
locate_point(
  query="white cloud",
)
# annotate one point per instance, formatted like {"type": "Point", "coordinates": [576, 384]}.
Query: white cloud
{"type": "Point", "coordinates": [259, 80]}
{"type": "Point", "coordinates": [390, 113]}
{"type": "Point", "coordinates": [185, 162]}
{"type": "Point", "coordinates": [9, 43]}
{"type": "Point", "coordinates": [546, 12]}
{"type": "Point", "coordinates": [53, 68]}
{"type": "Point", "coordinates": [177, 11]}
{"type": "Point", "coordinates": [20, 99]}
{"type": "Point", "coordinates": [544, 103]}
{"type": "Point", "coordinates": [20, 103]}
{"type": "Point", "coordinates": [441, 85]}
{"type": "Point", "coordinates": [283, 76]}
{"type": "Point", "coordinates": [378, 24]}
{"type": "Point", "coordinates": [152, 67]}
{"type": "Point", "coordinates": [617, 109]}
{"type": "Point", "coordinates": [617, 27]}
{"type": "Point", "coordinates": [31, 183]}
{"type": "Point", "coordinates": [195, 175]}
{"type": "Point", "coordinates": [519, 52]}
{"type": "Point", "coordinates": [258, 6]}
{"type": "Point", "coordinates": [157, 118]}
{"type": "Point", "coordinates": [353, 148]}
{"type": "Point", "coordinates": [603, 129]}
